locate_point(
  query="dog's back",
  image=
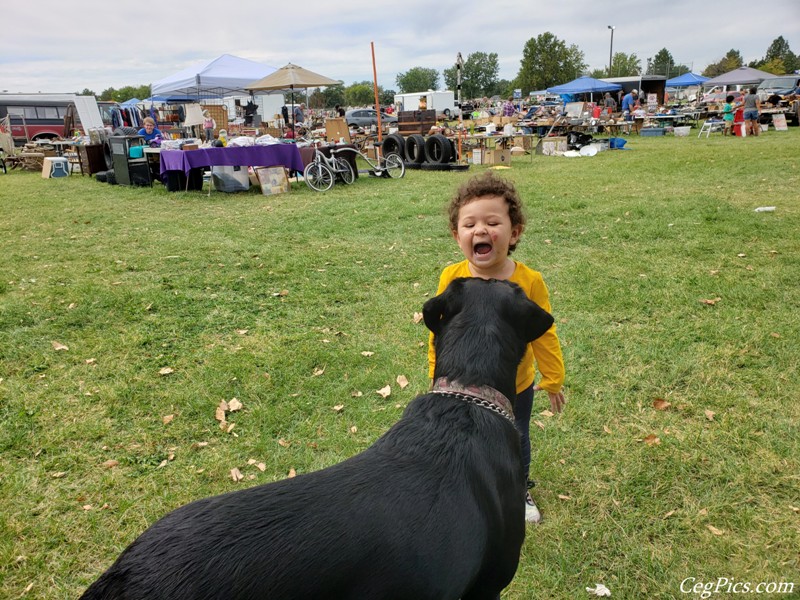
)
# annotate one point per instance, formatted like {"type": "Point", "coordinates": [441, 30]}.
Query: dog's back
{"type": "Point", "coordinates": [433, 509]}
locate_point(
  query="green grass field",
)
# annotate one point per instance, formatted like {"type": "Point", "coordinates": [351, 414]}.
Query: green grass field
{"type": "Point", "coordinates": [665, 283]}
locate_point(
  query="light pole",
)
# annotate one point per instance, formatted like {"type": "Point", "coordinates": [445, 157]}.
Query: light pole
{"type": "Point", "coordinates": [611, 49]}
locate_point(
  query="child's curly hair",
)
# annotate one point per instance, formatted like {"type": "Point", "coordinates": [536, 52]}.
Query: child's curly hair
{"type": "Point", "coordinates": [484, 185]}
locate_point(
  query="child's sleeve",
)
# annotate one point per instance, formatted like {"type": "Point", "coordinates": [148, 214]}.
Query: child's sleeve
{"type": "Point", "coordinates": [444, 281]}
{"type": "Point", "coordinates": [547, 348]}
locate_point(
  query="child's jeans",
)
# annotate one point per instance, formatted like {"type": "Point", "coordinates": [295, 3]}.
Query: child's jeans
{"type": "Point", "coordinates": [522, 419]}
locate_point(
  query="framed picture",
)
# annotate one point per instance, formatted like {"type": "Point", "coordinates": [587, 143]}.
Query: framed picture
{"type": "Point", "coordinates": [273, 180]}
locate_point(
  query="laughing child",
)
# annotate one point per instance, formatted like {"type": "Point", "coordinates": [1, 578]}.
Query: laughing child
{"type": "Point", "coordinates": [486, 220]}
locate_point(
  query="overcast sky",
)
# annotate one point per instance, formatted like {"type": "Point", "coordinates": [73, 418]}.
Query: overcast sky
{"type": "Point", "coordinates": [66, 46]}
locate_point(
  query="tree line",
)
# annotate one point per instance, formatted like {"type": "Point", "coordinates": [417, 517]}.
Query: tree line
{"type": "Point", "coordinates": [546, 61]}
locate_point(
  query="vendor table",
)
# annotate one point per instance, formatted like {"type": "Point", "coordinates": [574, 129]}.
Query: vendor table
{"type": "Point", "coordinates": [252, 156]}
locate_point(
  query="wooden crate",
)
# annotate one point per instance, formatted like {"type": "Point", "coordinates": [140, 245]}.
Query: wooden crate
{"type": "Point", "coordinates": [410, 122]}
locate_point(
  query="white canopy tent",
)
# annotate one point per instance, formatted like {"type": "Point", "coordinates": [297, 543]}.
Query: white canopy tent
{"type": "Point", "coordinates": [223, 76]}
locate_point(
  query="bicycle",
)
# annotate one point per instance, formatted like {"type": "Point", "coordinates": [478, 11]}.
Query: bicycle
{"type": "Point", "coordinates": [322, 172]}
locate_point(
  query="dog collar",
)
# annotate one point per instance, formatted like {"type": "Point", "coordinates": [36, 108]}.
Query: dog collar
{"type": "Point", "coordinates": [482, 395]}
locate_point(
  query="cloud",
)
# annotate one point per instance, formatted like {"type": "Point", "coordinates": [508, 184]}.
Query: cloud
{"type": "Point", "coordinates": [65, 47]}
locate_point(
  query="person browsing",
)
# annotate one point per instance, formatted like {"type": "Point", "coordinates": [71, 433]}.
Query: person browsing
{"type": "Point", "coordinates": [486, 221]}
{"type": "Point", "coordinates": [628, 104]}
{"type": "Point", "coordinates": [149, 132]}
{"type": "Point", "coordinates": [209, 125]}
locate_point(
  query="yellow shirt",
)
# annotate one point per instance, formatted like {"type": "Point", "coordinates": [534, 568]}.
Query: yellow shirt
{"type": "Point", "coordinates": [544, 352]}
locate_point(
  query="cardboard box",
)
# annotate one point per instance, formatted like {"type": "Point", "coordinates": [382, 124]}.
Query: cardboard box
{"type": "Point", "coordinates": [496, 156]}
{"type": "Point", "coordinates": [552, 146]}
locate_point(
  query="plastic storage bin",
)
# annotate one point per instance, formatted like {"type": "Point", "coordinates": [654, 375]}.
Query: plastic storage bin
{"type": "Point", "coordinates": [652, 132]}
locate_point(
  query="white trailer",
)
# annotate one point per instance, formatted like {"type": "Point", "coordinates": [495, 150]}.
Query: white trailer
{"type": "Point", "coordinates": [444, 102]}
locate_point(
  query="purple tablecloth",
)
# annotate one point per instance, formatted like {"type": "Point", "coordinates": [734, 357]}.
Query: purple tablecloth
{"type": "Point", "coordinates": [253, 156]}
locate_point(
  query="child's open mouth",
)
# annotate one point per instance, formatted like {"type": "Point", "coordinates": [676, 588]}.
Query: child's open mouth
{"type": "Point", "coordinates": [482, 248]}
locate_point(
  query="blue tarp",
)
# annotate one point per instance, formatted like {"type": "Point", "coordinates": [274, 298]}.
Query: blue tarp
{"type": "Point", "coordinates": [584, 85]}
{"type": "Point", "coordinates": [686, 80]}
{"type": "Point", "coordinates": [172, 99]}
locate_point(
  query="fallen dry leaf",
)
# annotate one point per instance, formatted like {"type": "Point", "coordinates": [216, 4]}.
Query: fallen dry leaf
{"type": "Point", "coordinates": [564, 497]}
{"type": "Point", "coordinates": [669, 514]}
{"type": "Point", "coordinates": [110, 464]}
{"type": "Point", "coordinates": [710, 414]}
{"type": "Point", "coordinates": [354, 429]}
{"type": "Point", "coordinates": [661, 404]}
{"type": "Point", "coordinates": [652, 440]}
{"type": "Point", "coordinates": [711, 302]}
{"type": "Point", "coordinates": [367, 353]}
{"type": "Point", "coordinates": [91, 361]}
{"type": "Point", "coordinates": [338, 408]}
{"type": "Point", "coordinates": [234, 404]}
{"type": "Point", "coordinates": [87, 507]}
{"type": "Point", "coordinates": [714, 530]}
{"type": "Point", "coordinates": [606, 429]}
{"type": "Point", "coordinates": [417, 317]}
{"type": "Point", "coordinates": [794, 509]}
{"type": "Point", "coordinates": [356, 394]}
{"type": "Point", "coordinates": [163, 463]}
{"type": "Point", "coordinates": [230, 428]}
{"type": "Point", "coordinates": [251, 461]}
{"type": "Point", "coordinates": [402, 381]}
{"type": "Point", "coordinates": [546, 413]}
{"type": "Point", "coordinates": [59, 346]}
{"type": "Point", "coordinates": [282, 293]}
{"type": "Point", "coordinates": [199, 445]}
{"type": "Point", "coordinates": [775, 335]}
{"type": "Point", "coordinates": [58, 474]}
{"type": "Point", "coordinates": [219, 414]}
{"type": "Point", "coordinates": [539, 424]}
{"type": "Point", "coordinates": [167, 419]}
{"type": "Point", "coordinates": [261, 467]}
{"type": "Point", "coordinates": [284, 443]}
{"type": "Point", "coordinates": [236, 475]}
{"type": "Point", "coordinates": [318, 371]}
{"type": "Point", "coordinates": [292, 473]}
{"type": "Point", "coordinates": [242, 331]}
{"type": "Point", "coordinates": [741, 255]}
{"type": "Point", "coordinates": [385, 392]}
{"type": "Point", "coordinates": [702, 512]}
{"type": "Point", "coordinates": [166, 370]}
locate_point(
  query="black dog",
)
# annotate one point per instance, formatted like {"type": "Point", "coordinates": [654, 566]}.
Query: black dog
{"type": "Point", "coordinates": [432, 510]}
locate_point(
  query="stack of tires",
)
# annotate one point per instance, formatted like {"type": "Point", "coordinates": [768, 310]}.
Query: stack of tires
{"type": "Point", "coordinates": [436, 153]}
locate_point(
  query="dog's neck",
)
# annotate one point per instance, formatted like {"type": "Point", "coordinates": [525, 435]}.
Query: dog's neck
{"type": "Point", "coordinates": [482, 395]}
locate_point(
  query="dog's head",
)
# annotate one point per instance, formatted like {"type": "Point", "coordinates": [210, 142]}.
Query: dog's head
{"type": "Point", "coordinates": [481, 328]}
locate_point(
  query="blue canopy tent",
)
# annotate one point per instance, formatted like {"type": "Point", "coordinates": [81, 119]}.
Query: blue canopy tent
{"type": "Point", "coordinates": [584, 85]}
{"type": "Point", "coordinates": [130, 103]}
{"type": "Point", "coordinates": [686, 80]}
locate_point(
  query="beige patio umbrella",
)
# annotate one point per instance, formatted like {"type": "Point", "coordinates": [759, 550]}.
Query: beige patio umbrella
{"type": "Point", "coordinates": [291, 77]}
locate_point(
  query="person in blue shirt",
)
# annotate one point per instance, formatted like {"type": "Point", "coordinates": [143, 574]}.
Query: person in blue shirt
{"type": "Point", "coordinates": [628, 103]}
{"type": "Point", "coordinates": [149, 131]}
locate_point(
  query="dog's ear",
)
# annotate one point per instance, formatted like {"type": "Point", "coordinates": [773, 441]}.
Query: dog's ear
{"type": "Point", "coordinates": [439, 309]}
{"type": "Point", "coordinates": [534, 320]}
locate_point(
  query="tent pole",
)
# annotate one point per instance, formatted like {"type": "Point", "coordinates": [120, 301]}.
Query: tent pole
{"type": "Point", "coordinates": [378, 152]}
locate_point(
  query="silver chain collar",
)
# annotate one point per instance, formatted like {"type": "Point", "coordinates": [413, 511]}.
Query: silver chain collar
{"type": "Point", "coordinates": [482, 402]}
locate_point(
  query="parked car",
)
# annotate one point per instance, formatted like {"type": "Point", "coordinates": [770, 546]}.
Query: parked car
{"type": "Point", "coordinates": [364, 117]}
{"type": "Point", "coordinates": [782, 86]}
{"type": "Point", "coordinates": [716, 97]}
